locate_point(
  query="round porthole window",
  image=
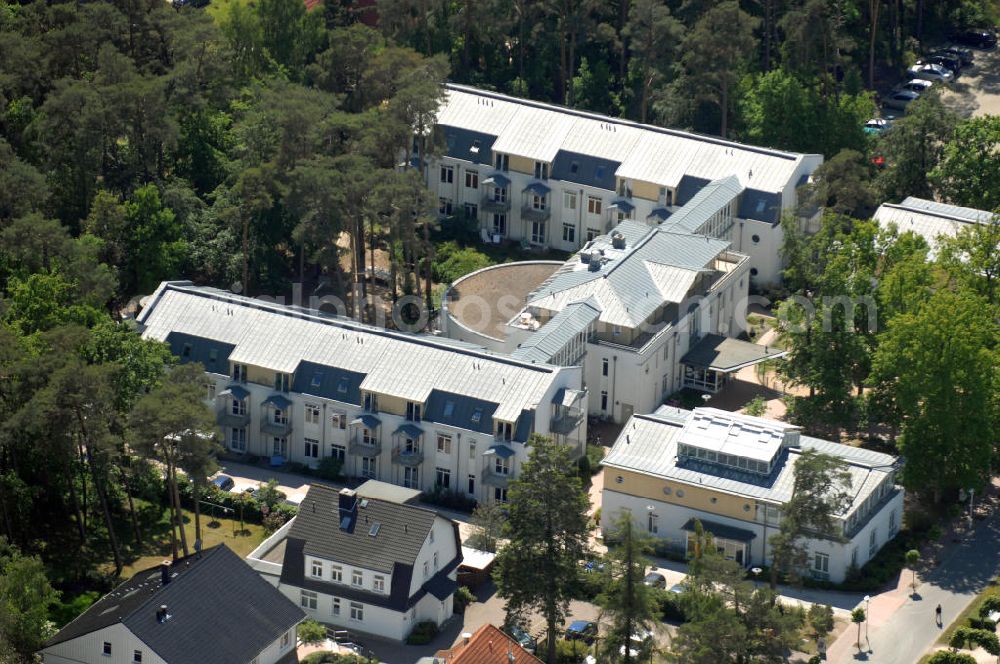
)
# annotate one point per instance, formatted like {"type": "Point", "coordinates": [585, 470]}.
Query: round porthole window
{"type": "Point", "coordinates": [619, 479]}
{"type": "Point", "coordinates": [753, 272]}
{"type": "Point", "coordinates": [746, 507]}
{"type": "Point", "coordinates": [680, 493]}
{"type": "Point", "coordinates": [666, 491]}
{"type": "Point", "coordinates": [755, 238]}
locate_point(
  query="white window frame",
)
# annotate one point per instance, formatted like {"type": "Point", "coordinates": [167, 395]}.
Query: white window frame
{"type": "Point", "coordinates": [357, 612]}
{"type": "Point", "coordinates": [316, 569]}
{"type": "Point", "coordinates": [569, 232]}
{"type": "Point", "coordinates": [335, 606]}
{"type": "Point", "coordinates": [336, 573]}
{"type": "Point", "coordinates": [378, 583]}
{"type": "Point", "coordinates": [308, 599]}
{"type": "Point", "coordinates": [444, 443]}
{"type": "Point", "coordinates": [312, 413]}
{"type": "Point", "coordinates": [311, 448]}
{"type": "Point", "coordinates": [442, 474]}
{"type": "Point", "coordinates": [471, 179]}
{"type": "Point", "coordinates": [569, 200]}
{"type": "Point", "coordinates": [594, 205]}
{"type": "Point", "coordinates": [447, 174]}
{"type": "Point", "coordinates": [357, 578]}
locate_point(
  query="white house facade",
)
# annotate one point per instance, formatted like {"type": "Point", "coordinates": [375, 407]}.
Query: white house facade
{"type": "Point", "coordinates": [733, 473]}
{"type": "Point", "coordinates": [364, 564]}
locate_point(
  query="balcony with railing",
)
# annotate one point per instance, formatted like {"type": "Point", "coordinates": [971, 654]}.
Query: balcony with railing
{"type": "Point", "coordinates": [225, 416]}
{"type": "Point", "coordinates": [492, 477]}
{"type": "Point", "coordinates": [490, 203]}
{"type": "Point", "coordinates": [274, 426]}
{"type": "Point", "coordinates": [404, 456]}
{"type": "Point", "coordinates": [531, 213]}
{"type": "Point", "coordinates": [565, 420]}
{"type": "Point", "coordinates": [366, 449]}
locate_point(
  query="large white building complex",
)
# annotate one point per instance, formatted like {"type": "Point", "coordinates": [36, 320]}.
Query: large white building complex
{"type": "Point", "coordinates": [644, 310]}
{"type": "Point", "coordinates": [733, 473]}
{"type": "Point", "coordinates": [423, 412]}
{"type": "Point", "coordinates": [929, 219]}
{"type": "Point", "coordinates": [556, 177]}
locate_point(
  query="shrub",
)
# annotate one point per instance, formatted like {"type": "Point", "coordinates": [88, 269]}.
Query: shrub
{"type": "Point", "coordinates": [454, 500]}
{"type": "Point", "coordinates": [982, 623]}
{"type": "Point", "coordinates": [948, 657]}
{"type": "Point", "coordinates": [815, 659]}
{"type": "Point", "coordinates": [67, 609]}
{"type": "Point", "coordinates": [329, 468]}
{"type": "Point", "coordinates": [422, 633]}
{"type": "Point", "coordinates": [463, 598]}
{"type": "Point", "coordinates": [589, 585]}
{"type": "Point", "coordinates": [967, 637]}
{"type": "Point", "coordinates": [989, 605]}
{"type": "Point", "coordinates": [570, 652]}
{"type": "Point", "coordinates": [670, 606]}
{"type": "Point", "coordinates": [311, 632]}
{"type": "Point", "coordinates": [452, 262]}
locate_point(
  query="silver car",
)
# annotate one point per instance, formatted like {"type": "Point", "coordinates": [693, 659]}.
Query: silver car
{"type": "Point", "coordinates": [931, 72]}
{"type": "Point", "coordinates": [900, 99]}
{"type": "Point", "coordinates": [918, 85]}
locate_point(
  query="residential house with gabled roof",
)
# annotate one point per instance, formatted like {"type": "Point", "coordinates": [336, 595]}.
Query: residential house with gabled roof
{"type": "Point", "coordinates": [734, 473]}
{"type": "Point", "coordinates": [551, 176]}
{"type": "Point", "coordinates": [375, 565]}
{"type": "Point", "coordinates": [295, 384]}
{"type": "Point", "coordinates": [206, 607]}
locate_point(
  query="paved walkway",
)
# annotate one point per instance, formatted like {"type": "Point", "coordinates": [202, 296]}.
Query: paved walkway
{"type": "Point", "coordinates": [903, 625]}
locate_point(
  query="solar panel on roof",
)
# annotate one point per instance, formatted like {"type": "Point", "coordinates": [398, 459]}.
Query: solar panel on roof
{"type": "Point", "coordinates": [373, 531]}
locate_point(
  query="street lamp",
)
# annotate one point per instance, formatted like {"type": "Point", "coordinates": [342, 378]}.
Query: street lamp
{"type": "Point", "coordinates": [868, 600]}
{"type": "Point", "coordinates": [756, 573]}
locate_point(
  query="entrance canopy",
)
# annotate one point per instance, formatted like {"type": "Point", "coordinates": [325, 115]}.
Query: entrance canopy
{"type": "Point", "coordinates": [720, 530]}
{"type": "Point", "coordinates": [726, 355]}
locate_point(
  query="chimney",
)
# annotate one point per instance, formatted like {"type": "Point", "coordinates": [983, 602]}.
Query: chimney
{"type": "Point", "coordinates": [165, 572]}
{"type": "Point", "coordinates": [618, 241]}
{"type": "Point", "coordinates": [466, 636]}
{"type": "Point", "coordinates": [161, 614]}
{"type": "Point", "coordinates": [348, 509]}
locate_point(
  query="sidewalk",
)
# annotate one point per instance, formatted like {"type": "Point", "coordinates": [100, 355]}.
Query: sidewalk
{"type": "Point", "coordinates": [903, 625]}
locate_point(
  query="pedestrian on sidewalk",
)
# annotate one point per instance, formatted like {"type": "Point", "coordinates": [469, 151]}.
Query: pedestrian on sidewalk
{"type": "Point", "coordinates": [937, 616]}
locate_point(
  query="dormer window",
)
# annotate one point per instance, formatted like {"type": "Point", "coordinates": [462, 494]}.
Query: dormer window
{"type": "Point", "coordinates": [371, 402]}
{"type": "Point", "coordinates": [505, 431]}
{"type": "Point", "coordinates": [412, 411]}
{"type": "Point", "coordinates": [282, 382]}
{"type": "Point", "coordinates": [317, 379]}
{"type": "Point", "coordinates": [342, 385]}
{"type": "Point", "coordinates": [541, 170]}
{"type": "Point", "coordinates": [477, 415]}
{"type": "Point", "coordinates": [239, 372]}
{"type": "Point", "coordinates": [187, 350]}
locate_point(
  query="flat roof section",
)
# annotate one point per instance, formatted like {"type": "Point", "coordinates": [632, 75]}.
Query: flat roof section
{"type": "Point", "coordinates": [486, 300]}
{"type": "Point", "coordinates": [727, 355]}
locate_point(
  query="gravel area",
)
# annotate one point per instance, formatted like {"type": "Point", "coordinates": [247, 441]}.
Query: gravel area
{"type": "Point", "coordinates": [484, 302]}
{"type": "Point", "coordinates": [977, 90]}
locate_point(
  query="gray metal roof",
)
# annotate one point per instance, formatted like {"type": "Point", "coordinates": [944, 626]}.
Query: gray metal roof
{"type": "Point", "coordinates": [405, 366]}
{"type": "Point", "coordinates": [712, 198]}
{"type": "Point", "coordinates": [559, 331]}
{"type": "Point", "coordinates": [220, 610]}
{"type": "Point", "coordinates": [402, 530]}
{"type": "Point", "coordinates": [714, 351]}
{"type": "Point", "coordinates": [648, 444]}
{"type": "Point", "coordinates": [632, 284]}
{"type": "Point", "coordinates": [929, 219]}
{"type": "Point", "coordinates": [539, 131]}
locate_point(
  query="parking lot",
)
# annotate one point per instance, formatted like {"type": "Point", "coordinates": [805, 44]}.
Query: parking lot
{"type": "Point", "coordinates": [975, 92]}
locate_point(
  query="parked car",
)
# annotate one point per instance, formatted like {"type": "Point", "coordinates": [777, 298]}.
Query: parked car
{"type": "Point", "coordinates": [522, 637]}
{"type": "Point", "coordinates": [582, 630]}
{"type": "Point", "coordinates": [677, 588]}
{"type": "Point", "coordinates": [976, 37]}
{"type": "Point", "coordinates": [963, 54]}
{"type": "Point", "coordinates": [900, 99]}
{"type": "Point", "coordinates": [918, 85]}
{"type": "Point", "coordinates": [877, 126]}
{"type": "Point", "coordinates": [655, 580]}
{"type": "Point", "coordinates": [931, 72]}
{"type": "Point", "coordinates": [952, 63]}
{"type": "Point", "coordinates": [224, 483]}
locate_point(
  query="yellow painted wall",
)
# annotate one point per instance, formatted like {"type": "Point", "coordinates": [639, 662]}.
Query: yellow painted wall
{"type": "Point", "coordinates": [647, 190]}
{"type": "Point", "coordinates": [522, 165]}
{"type": "Point", "coordinates": [391, 405]}
{"type": "Point", "coordinates": [260, 376]}
{"type": "Point", "coordinates": [695, 497]}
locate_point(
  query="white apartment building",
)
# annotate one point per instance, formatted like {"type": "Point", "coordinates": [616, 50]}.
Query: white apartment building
{"type": "Point", "coordinates": [556, 177]}
{"type": "Point", "coordinates": [373, 565]}
{"type": "Point", "coordinates": [734, 473]}
{"type": "Point", "coordinates": [644, 310]}
{"type": "Point", "coordinates": [415, 410]}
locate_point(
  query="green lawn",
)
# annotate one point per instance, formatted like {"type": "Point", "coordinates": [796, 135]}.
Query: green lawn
{"type": "Point", "coordinates": [213, 532]}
